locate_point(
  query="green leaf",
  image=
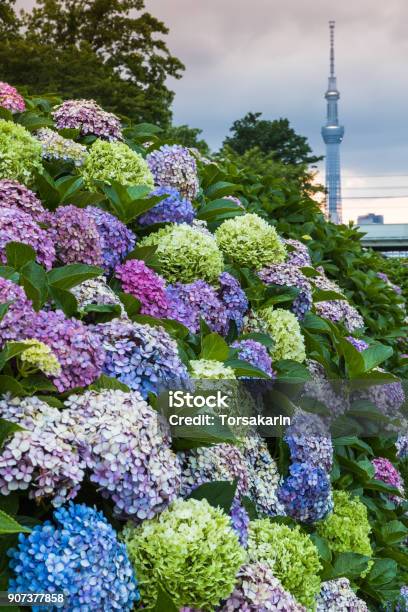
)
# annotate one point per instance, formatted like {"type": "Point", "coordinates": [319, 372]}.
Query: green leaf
{"type": "Point", "coordinates": [322, 546]}
{"type": "Point", "coordinates": [211, 210]}
{"type": "Point", "coordinates": [349, 565]}
{"type": "Point", "coordinates": [375, 355]}
{"type": "Point", "coordinates": [214, 347]}
{"type": "Point", "coordinates": [146, 254]}
{"type": "Point", "coordinates": [103, 312]}
{"type": "Point", "coordinates": [164, 602]}
{"type": "Point", "coordinates": [315, 323]}
{"type": "Point", "coordinates": [393, 532]}
{"type": "Point", "coordinates": [8, 384]}
{"type": "Point", "coordinates": [289, 371]}
{"type": "Point", "coordinates": [7, 428]}
{"type": "Point", "coordinates": [321, 295]}
{"type": "Point", "coordinates": [354, 360]}
{"type": "Point", "coordinates": [10, 273]}
{"type": "Point", "coordinates": [382, 572]}
{"type": "Point", "coordinates": [18, 254]}
{"type": "Point", "coordinates": [264, 339]}
{"type": "Point", "coordinates": [219, 494]}
{"type": "Point", "coordinates": [221, 188]}
{"type": "Point", "coordinates": [47, 190]}
{"type": "Point", "coordinates": [4, 309]}
{"type": "Point", "coordinates": [71, 275]}
{"type": "Point", "coordinates": [130, 303]}
{"type": "Point", "coordinates": [64, 300]}
{"type": "Point", "coordinates": [38, 382]}
{"type": "Point", "coordinates": [243, 368]}
{"type": "Point", "coordinates": [9, 525]}
{"type": "Point", "coordinates": [34, 280]}
{"type": "Point", "coordinates": [108, 382]}
{"type": "Point", "coordinates": [174, 328]}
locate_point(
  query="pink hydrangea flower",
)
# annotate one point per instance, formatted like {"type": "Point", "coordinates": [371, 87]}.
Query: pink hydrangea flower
{"type": "Point", "coordinates": [145, 285]}
{"type": "Point", "coordinates": [11, 99]}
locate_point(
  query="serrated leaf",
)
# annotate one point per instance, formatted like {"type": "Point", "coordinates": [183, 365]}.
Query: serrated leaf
{"type": "Point", "coordinates": [10, 525]}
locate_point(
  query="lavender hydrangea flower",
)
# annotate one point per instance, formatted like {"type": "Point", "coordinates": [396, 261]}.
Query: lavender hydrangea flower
{"type": "Point", "coordinates": [360, 345]}
{"type": "Point", "coordinates": [188, 303]}
{"type": "Point", "coordinates": [300, 256]}
{"type": "Point", "coordinates": [309, 440]}
{"type": "Point", "coordinates": [235, 200]}
{"type": "Point", "coordinates": [338, 311]}
{"type": "Point", "coordinates": [306, 493]}
{"type": "Point", "coordinates": [145, 285]}
{"type": "Point", "coordinates": [125, 445]}
{"type": "Point", "coordinates": [76, 347]}
{"type": "Point", "coordinates": [174, 166]}
{"type": "Point", "coordinates": [384, 277]}
{"type": "Point", "coordinates": [240, 522]}
{"type": "Point", "coordinates": [288, 275]}
{"type": "Point", "coordinates": [256, 354]}
{"type": "Point", "coordinates": [143, 357]}
{"type": "Point", "coordinates": [385, 471]}
{"type": "Point", "coordinates": [173, 209]}
{"type": "Point", "coordinates": [330, 393]}
{"type": "Point", "coordinates": [233, 297]}
{"type": "Point", "coordinates": [10, 99]}
{"type": "Point", "coordinates": [15, 195]}
{"type": "Point", "coordinates": [337, 595]}
{"type": "Point", "coordinates": [55, 147]}
{"type": "Point", "coordinates": [17, 226]}
{"type": "Point", "coordinates": [20, 310]}
{"type": "Point", "coordinates": [257, 590]}
{"type": "Point", "coordinates": [402, 446]}
{"type": "Point", "coordinates": [96, 291]}
{"type": "Point", "coordinates": [89, 117]}
{"type": "Point", "coordinates": [116, 240]}
{"type": "Point", "coordinates": [76, 236]}
{"type": "Point", "coordinates": [42, 457]}
{"type": "Point", "coordinates": [79, 555]}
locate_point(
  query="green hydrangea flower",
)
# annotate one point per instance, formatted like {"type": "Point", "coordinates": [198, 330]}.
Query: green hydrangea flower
{"type": "Point", "coordinates": [115, 161]}
{"type": "Point", "coordinates": [250, 241]}
{"type": "Point", "coordinates": [191, 550]}
{"type": "Point", "coordinates": [284, 328]}
{"type": "Point", "coordinates": [39, 356]}
{"type": "Point", "coordinates": [347, 529]}
{"type": "Point", "coordinates": [186, 254]}
{"type": "Point", "coordinates": [208, 369]}
{"type": "Point", "coordinates": [20, 153]}
{"type": "Point", "coordinates": [291, 555]}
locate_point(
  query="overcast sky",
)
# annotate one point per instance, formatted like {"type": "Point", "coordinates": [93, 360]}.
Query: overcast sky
{"type": "Point", "coordinates": [271, 56]}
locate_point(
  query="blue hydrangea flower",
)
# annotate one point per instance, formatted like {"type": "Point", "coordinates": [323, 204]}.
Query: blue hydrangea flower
{"type": "Point", "coordinates": [115, 238]}
{"type": "Point", "coordinates": [240, 522]}
{"type": "Point", "coordinates": [254, 353]}
{"type": "Point", "coordinates": [306, 493]}
{"type": "Point", "coordinates": [173, 209]}
{"type": "Point", "coordinates": [78, 555]}
{"type": "Point", "coordinates": [233, 297]}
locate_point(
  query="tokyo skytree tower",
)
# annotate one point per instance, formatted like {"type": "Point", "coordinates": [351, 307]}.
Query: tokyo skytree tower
{"type": "Point", "coordinates": [333, 134]}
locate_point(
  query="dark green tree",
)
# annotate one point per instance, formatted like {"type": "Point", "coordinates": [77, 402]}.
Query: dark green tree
{"type": "Point", "coordinates": [271, 137]}
{"type": "Point", "coordinates": [110, 50]}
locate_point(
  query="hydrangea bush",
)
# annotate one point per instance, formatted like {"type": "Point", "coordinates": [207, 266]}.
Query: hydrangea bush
{"type": "Point", "coordinates": [20, 153]}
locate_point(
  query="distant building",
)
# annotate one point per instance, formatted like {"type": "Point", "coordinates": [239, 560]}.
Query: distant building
{"type": "Point", "coordinates": [391, 239]}
{"type": "Point", "coordinates": [370, 218]}
{"type": "Point", "coordinates": [332, 133]}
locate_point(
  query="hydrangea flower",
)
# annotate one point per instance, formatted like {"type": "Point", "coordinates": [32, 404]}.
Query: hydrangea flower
{"type": "Point", "coordinates": [300, 255]}
{"type": "Point", "coordinates": [208, 464]}
{"type": "Point", "coordinates": [309, 440]}
{"type": "Point", "coordinates": [20, 153]}
{"type": "Point", "coordinates": [338, 595]}
{"type": "Point", "coordinates": [233, 297]}
{"type": "Point", "coordinates": [240, 522]}
{"type": "Point", "coordinates": [249, 241]}
{"type": "Point", "coordinates": [291, 556]}
{"type": "Point", "coordinates": [125, 445]}
{"type": "Point", "coordinates": [253, 322]}
{"type": "Point", "coordinates": [257, 590]}
{"type": "Point", "coordinates": [402, 446]}
{"type": "Point", "coordinates": [194, 301]}
{"type": "Point", "coordinates": [15, 195]}
{"type": "Point", "coordinates": [55, 147]}
{"type": "Point", "coordinates": [190, 550]}
{"type": "Point", "coordinates": [89, 117]}
{"type": "Point", "coordinates": [76, 236]}
{"type": "Point", "coordinates": [10, 99]}
{"type": "Point", "coordinates": [347, 529]}
{"type": "Point", "coordinates": [209, 369]}
{"type": "Point", "coordinates": [235, 200]}
{"type": "Point", "coordinates": [329, 392]}
{"type": "Point", "coordinates": [20, 310]}
{"type": "Point", "coordinates": [39, 356]}
{"type": "Point", "coordinates": [385, 471]}
{"type": "Point", "coordinates": [76, 347]}
{"type": "Point", "coordinates": [96, 291]}
{"type": "Point", "coordinates": [284, 328]}
{"type": "Point", "coordinates": [382, 276]}
{"type": "Point", "coordinates": [42, 457]}
{"type": "Point", "coordinates": [254, 353]}
{"type": "Point", "coordinates": [306, 493]}
{"type": "Point", "coordinates": [172, 209]}
{"type": "Point", "coordinates": [338, 311]}
{"type": "Point", "coordinates": [79, 555]}
{"type": "Point", "coordinates": [290, 276]}
{"type": "Point", "coordinates": [146, 286]}
{"type": "Point", "coordinates": [17, 226]}
{"type": "Point", "coordinates": [174, 166]}
{"type": "Point", "coordinates": [115, 161]}
{"type": "Point", "coordinates": [115, 238]}
{"type": "Point", "coordinates": [360, 345]}
{"type": "Point", "coordinates": [143, 357]}
{"type": "Point", "coordinates": [185, 254]}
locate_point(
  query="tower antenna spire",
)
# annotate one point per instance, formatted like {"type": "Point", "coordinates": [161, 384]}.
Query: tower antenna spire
{"type": "Point", "coordinates": [332, 25]}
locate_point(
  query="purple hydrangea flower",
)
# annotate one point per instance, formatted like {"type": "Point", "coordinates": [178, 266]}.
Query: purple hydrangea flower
{"type": "Point", "coordinates": [42, 457]}
{"type": "Point", "coordinates": [384, 277]}
{"type": "Point", "coordinates": [300, 256]}
{"type": "Point", "coordinates": [385, 471]}
{"type": "Point", "coordinates": [306, 493]}
{"type": "Point", "coordinates": [173, 209]}
{"type": "Point", "coordinates": [89, 117]}
{"type": "Point", "coordinates": [329, 392]}
{"type": "Point", "coordinates": [240, 522]}
{"type": "Point", "coordinates": [188, 303]}
{"type": "Point", "coordinates": [309, 440]}
{"type": "Point", "coordinates": [126, 446]}
{"type": "Point", "coordinates": [143, 357]}
{"type": "Point", "coordinates": [145, 285]}
{"type": "Point", "coordinates": [291, 276]}
{"type": "Point", "coordinates": [20, 311]}
{"type": "Point", "coordinates": [11, 99]}
{"type": "Point", "coordinates": [116, 240]}
{"type": "Point", "coordinates": [174, 166]}
{"type": "Point", "coordinates": [233, 297]}
{"type": "Point", "coordinates": [17, 226]}
{"type": "Point", "coordinates": [15, 195]}
{"type": "Point", "coordinates": [337, 595]}
{"type": "Point", "coordinates": [254, 353]}
{"type": "Point", "coordinates": [338, 311]}
{"type": "Point", "coordinates": [76, 236]}
{"type": "Point", "coordinates": [76, 347]}
{"type": "Point", "coordinates": [360, 345]}
{"type": "Point", "coordinates": [257, 590]}
{"type": "Point", "coordinates": [78, 555]}
{"type": "Point", "coordinates": [402, 446]}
